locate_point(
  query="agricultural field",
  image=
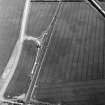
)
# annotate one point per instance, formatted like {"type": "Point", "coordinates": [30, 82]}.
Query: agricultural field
{"type": "Point", "coordinates": [73, 69]}
{"type": "Point", "coordinates": [10, 17]}
{"type": "Point", "coordinates": [20, 81]}
{"type": "Point", "coordinates": [22, 75]}
{"type": "Point", "coordinates": [75, 57]}
{"type": "Point", "coordinates": [41, 14]}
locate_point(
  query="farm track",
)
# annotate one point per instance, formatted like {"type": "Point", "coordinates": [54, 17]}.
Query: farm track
{"type": "Point", "coordinates": [22, 74]}
{"type": "Point", "coordinates": [47, 35]}
{"type": "Point", "coordinates": [73, 68]}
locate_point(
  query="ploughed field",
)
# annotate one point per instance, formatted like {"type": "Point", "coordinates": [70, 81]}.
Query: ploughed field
{"type": "Point", "coordinates": [73, 70]}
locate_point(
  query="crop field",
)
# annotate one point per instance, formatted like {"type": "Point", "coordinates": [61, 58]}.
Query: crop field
{"type": "Point", "coordinates": [40, 17]}
{"type": "Point", "coordinates": [10, 16]}
{"type": "Point", "coordinates": [75, 56]}
{"type": "Point", "coordinates": [73, 69]}
{"type": "Point", "coordinates": [21, 79]}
